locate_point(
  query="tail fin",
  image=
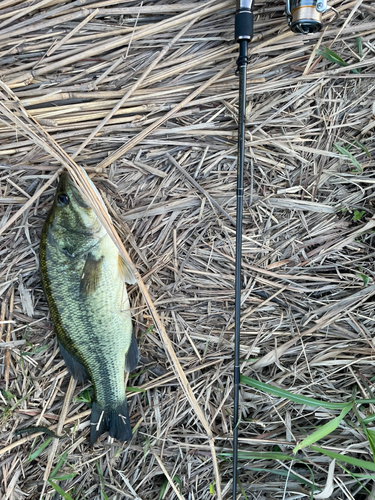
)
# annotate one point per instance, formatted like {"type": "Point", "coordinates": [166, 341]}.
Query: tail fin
{"type": "Point", "coordinates": [115, 421]}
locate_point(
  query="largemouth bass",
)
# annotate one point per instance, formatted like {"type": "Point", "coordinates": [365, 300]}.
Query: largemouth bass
{"type": "Point", "coordinates": [84, 277]}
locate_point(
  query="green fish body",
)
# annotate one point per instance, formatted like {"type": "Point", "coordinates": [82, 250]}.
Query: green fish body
{"type": "Point", "coordinates": [84, 277]}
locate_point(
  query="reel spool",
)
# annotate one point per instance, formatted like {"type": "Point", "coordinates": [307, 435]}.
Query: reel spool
{"type": "Point", "coordinates": [305, 16]}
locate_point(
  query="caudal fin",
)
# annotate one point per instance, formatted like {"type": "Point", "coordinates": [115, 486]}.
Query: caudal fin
{"type": "Point", "coordinates": [115, 421]}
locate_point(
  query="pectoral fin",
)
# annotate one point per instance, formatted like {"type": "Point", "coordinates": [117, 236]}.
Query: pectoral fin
{"type": "Point", "coordinates": [132, 357]}
{"type": "Point", "coordinates": [125, 272]}
{"type": "Point", "coordinates": [91, 275]}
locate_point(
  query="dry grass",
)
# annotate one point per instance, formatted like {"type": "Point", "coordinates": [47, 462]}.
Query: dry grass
{"type": "Point", "coordinates": [147, 103]}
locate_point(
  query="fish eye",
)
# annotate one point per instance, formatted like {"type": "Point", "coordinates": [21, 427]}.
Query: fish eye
{"type": "Point", "coordinates": [63, 200]}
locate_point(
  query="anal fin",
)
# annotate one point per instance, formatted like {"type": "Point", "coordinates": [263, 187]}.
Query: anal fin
{"type": "Point", "coordinates": [75, 368]}
{"type": "Point", "coordinates": [132, 356]}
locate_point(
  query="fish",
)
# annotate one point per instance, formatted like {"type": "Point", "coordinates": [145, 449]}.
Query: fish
{"type": "Point", "coordinates": [84, 280]}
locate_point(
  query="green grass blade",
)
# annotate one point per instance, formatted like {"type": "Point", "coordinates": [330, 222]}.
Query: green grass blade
{"type": "Point", "coordinates": [282, 393]}
{"type": "Point", "coordinates": [178, 481]}
{"type": "Point", "coordinates": [324, 430]}
{"type": "Point", "coordinates": [368, 419]}
{"type": "Point", "coordinates": [350, 157]}
{"type": "Point", "coordinates": [59, 465]}
{"type": "Point", "coordinates": [343, 458]}
{"type": "Point", "coordinates": [162, 489]}
{"type": "Point", "coordinates": [134, 389]}
{"type": "Point", "coordinates": [357, 216]}
{"type": "Point", "coordinates": [8, 395]}
{"type": "Point", "coordinates": [60, 491]}
{"type": "Point", "coordinates": [371, 440]}
{"type": "Point", "coordinates": [366, 279]}
{"type": "Point", "coordinates": [86, 396]}
{"type": "Point", "coordinates": [289, 474]}
{"type": "Point", "coordinates": [37, 452]}
{"type": "Point", "coordinates": [21, 401]}
{"type": "Point", "coordinates": [355, 476]}
{"type": "Point", "coordinates": [66, 476]}
{"type": "Point", "coordinates": [363, 147]}
{"type": "Point", "coordinates": [333, 57]}
{"type": "Point", "coordinates": [242, 491]}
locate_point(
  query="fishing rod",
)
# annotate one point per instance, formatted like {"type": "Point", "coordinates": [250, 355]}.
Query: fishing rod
{"type": "Point", "coordinates": [304, 17]}
{"type": "Point", "coordinates": [243, 33]}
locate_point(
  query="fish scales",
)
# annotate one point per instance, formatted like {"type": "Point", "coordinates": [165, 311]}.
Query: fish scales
{"type": "Point", "coordinates": [84, 281]}
{"type": "Point", "coordinates": [93, 322]}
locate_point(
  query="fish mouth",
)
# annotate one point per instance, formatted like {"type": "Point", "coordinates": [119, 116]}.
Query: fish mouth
{"type": "Point", "coordinates": [64, 180]}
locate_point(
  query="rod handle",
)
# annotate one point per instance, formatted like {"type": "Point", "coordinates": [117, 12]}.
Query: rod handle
{"type": "Point", "coordinates": [244, 20]}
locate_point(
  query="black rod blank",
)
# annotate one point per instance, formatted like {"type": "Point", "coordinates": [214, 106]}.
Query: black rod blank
{"type": "Point", "coordinates": [243, 34]}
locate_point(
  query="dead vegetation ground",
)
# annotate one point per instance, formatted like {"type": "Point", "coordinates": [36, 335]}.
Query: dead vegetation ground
{"type": "Point", "coordinates": [308, 307]}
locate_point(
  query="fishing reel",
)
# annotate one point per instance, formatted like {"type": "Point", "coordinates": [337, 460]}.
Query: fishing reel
{"type": "Point", "coordinates": [305, 16]}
